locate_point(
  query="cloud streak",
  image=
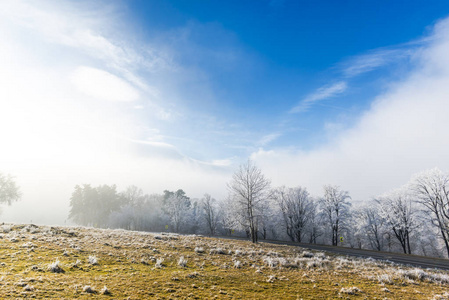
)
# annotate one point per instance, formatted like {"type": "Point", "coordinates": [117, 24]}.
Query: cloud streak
{"type": "Point", "coordinates": [323, 93]}
{"type": "Point", "coordinates": [365, 63]}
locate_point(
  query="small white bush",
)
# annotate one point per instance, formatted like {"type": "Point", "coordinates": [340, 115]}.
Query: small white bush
{"type": "Point", "coordinates": [307, 254]}
{"type": "Point", "coordinates": [385, 278]}
{"type": "Point", "coordinates": [89, 289]}
{"type": "Point", "coordinates": [55, 267]}
{"type": "Point", "coordinates": [239, 252]}
{"type": "Point", "coordinates": [28, 288]}
{"type": "Point", "coordinates": [217, 251]}
{"type": "Point", "coordinates": [199, 250]}
{"type": "Point", "coordinates": [105, 291]}
{"type": "Point", "coordinates": [237, 264]}
{"type": "Point", "coordinates": [159, 263]}
{"type": "Point", "coordinates": [350, 291]}
{"type": "Point", "coordinates": [92, 260]}
{"type": "Point", "coordinates": [270, 262]}
{"type": "Point", "coordinates": [182, 262]}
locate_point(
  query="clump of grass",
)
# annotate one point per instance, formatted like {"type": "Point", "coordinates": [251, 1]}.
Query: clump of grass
{"type": "Point", "coordinates": [199, 250]}
{"type": "Point", "coordinates": [28, 288]}
{"type": "Point", "coordinates": [217, 251]}
{"type": "Point", "coordinates": [55, 267]}
{"type": "Point", "coordinates": [182, 262]}
{"type": "Point", "coordinates": [350, 290]}
{"type": "Point", "coordinates": [307, 254]}
{"type": "Point", "coordinates": [89, 289]}
{"type": "Point", "coordinates": [76, 264]}
{"type": "Point", "coordinates": [92, 260]}
{"type": "Point", "coordinates": [444, 296]}
{"type": "Point", "coordinates": [239, 252]}
{"type": "Point", "coordinates": [385, 278]}
{"type": "Point", "coordinates": [105, 291]}
{"type": "Point", "coordinates": [237, 264]}
{"type": "Point", "coordinates": [159, 263]}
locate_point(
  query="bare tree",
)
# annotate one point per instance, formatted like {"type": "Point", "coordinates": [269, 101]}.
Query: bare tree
{"type": "Point", "coordinates": [248, 190]}
{"type": "Point", "coordinates": [397, 209]}
{"type": "Point", "coordinates": [134, 199]}
{"type": "Point", "coordinates": [335, 208]}
{"type": "Point", "coordinates": [432, 190]}
{"type": "Point", "coordinates": [210, 213]}
{"type": "Point", "coordinates": [9, 191]}
{"type": "Point", "coordinates": [296, 207]}
{"type": "Point", "coordinates": [371, 225]}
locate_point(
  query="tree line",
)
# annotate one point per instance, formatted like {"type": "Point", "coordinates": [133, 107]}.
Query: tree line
{"type": "Point", "coordinates": [411, 219]}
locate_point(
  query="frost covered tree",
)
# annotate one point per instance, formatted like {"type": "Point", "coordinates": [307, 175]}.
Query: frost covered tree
{"type": "Point", "coordinates": [295, 206]}
{"type": "Point", "coordinates": [210, 213]}
{"type": "Point", "coordinates": [397, 209]}
{"type": "Point", "coordinates": [9, 191]}
{"type": "Point", "coordinates": [314, 230]}
{"type": "Point", "coordinates": [370, 225]}
{"type": "Point", "coordinates": [228, 216]}
{"type": "Point", "coordinates": [432, 191]}
{"type": "Point", "coordinates": [249, 190]}
{"type": "Point", "coordinates": [335, 208]}
{"type": "Point", "coordinates": [134, 199]}
{"type": "Point", "coordinates": [176, 205]}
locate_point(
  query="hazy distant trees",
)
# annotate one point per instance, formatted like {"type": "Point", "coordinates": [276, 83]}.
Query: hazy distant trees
{"type": "Point", "coordinates": [210, 213]}
{"type": "Point", "coordinates": [9, 191]}
{"type": "Point", "coordinates": [92, 206]}
{"type": "Point", "coordinates": [335, 208]}
{"type": "Point", "coordinates": [248, 190]}
{"type": "Point", "coordinates": [390, 222]}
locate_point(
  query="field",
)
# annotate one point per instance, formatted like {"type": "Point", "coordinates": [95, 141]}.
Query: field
{"type": "Point", "coordinates": [85, 263]}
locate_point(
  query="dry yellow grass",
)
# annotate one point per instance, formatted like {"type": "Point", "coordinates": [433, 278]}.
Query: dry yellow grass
{"type": "Point", "coordinates": [84, 263]}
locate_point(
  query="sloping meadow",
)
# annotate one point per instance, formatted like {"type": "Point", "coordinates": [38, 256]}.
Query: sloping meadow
{"type": "Point", "coordinates": [85, 263]}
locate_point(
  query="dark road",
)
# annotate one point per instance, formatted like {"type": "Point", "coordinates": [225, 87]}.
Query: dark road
{"type": "Point", "coordinates": [406, 259]}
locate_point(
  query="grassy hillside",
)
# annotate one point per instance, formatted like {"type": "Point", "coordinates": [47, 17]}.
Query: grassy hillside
{"type": "Point", "coordinates": [66, 262]}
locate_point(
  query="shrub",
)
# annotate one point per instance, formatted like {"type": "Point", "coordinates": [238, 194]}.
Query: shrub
{"type": "Point", "coordinates": [350, 291]}
{"type": "Point", "coordinates": [217, 251]}
{"type": "Point", "coordinates": [92, 260]}
{"type": "Point", "coordinates": [55, 267]}
{"type": "Point", "coordinates": [89, 289]}
{"type": "Point", "coordinates": [199, 250]}
{"type": "Point", "coordinates": [182, 262]}
{"type": "Point", "coordinates": [159, 263]}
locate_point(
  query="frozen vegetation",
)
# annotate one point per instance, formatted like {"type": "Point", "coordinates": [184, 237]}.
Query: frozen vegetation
{"type": "Point", "coordinates": [73, 262]}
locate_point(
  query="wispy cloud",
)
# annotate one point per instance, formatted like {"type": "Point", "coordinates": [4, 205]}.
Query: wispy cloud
{"type": "Point", "coordinates": [320, 94]}
{"type": "Point", "coordinates": [266, 139]}
{"type": "Point", "coordinates": [368, 62]}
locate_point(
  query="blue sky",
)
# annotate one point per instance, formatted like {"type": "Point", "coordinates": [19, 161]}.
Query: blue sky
{"type": "Point", "coordinates": [260, 59]}
{"type": "Point", "coordinates": [176, 94]}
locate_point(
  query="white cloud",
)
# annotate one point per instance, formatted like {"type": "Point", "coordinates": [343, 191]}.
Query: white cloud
{"type": "Point", "coordinates": [375, 59]}
{"type": "Point", "coordinates": [265, 140]}
{"type": "Point", "coordinates": [320, 94]}
{"type": "Point", "coordinates": [103, 85]}
{"type": "Point", "coordinates": [406, 130]}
